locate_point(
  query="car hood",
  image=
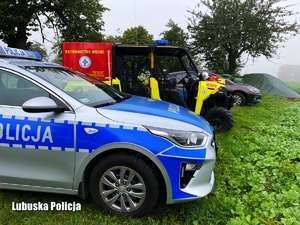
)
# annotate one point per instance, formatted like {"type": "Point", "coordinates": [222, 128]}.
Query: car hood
{"type": "Point", "coordinates": [155, 113]}
{"type": "Point", "coordinates": [244, 85]}
{"type": "Point", "coordinates": [241, 86]}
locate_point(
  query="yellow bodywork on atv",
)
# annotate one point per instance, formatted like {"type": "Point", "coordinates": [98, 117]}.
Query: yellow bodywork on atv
{"type": "Point", "coordinates": [116, 83]}
{"type": "Point", "coordinates": [154, 89]}
{"type": "Point", "coordinates": [205, 90]}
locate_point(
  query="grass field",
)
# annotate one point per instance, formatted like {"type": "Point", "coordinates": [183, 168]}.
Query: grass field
{"type": "Point", "coordinates": [257, 179]}
{"type": "Point", "coordinates": [295, 85]}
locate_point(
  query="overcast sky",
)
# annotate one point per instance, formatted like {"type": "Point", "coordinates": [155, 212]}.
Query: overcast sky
{"type": "Point", "coordinates": [155, 14]}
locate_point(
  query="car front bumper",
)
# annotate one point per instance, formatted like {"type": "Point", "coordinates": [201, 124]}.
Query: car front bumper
{"type": "Point", "coordinates": [253, 99]}
{"type": "Point", "coordinates": [190, 172]}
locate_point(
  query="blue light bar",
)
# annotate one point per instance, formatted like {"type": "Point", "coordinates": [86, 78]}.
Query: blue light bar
{"type": "Point", "coordinates": [162, 42]}
{"type": "Point", "coordinates": [19, 53]}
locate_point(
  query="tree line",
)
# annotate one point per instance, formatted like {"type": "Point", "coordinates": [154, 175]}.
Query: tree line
{"type": "Point", "coordinates": [219, 33]}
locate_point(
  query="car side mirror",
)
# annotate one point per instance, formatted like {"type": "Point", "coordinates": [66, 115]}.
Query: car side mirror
{"type": "Point", "coordinates": [41, 104]}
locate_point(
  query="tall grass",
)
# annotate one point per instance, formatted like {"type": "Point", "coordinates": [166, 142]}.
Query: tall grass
{"type": "Point", "coordinates": [257, 179]}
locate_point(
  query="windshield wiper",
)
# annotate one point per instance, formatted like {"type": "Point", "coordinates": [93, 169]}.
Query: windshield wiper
{"type": "Point", "coordinates": [104, 104]}
{"type": "Point", "coordinates": [124, 97]}
{"type": "Point", "coordinates": [121, 99]}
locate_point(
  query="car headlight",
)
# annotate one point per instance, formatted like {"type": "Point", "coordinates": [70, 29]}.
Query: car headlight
{"type": "Point", "coordinates": [254, 90]}
{"type": "Point", "coordinates": [179, 137]}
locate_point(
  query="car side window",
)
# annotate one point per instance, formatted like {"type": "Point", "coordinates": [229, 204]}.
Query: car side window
{"type": "Point", "coordinates": [15, 90]}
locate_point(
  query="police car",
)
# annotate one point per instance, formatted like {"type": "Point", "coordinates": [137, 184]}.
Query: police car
{"type": "Point", "coordinates": [62, 131]}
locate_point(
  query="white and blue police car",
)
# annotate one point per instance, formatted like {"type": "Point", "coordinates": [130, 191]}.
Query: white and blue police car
{"type": "Point", "coordinates": [65, 132]}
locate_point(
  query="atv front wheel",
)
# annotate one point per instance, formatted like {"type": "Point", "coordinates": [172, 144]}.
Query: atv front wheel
{"type": "Point", "coordinates": [219, 118]}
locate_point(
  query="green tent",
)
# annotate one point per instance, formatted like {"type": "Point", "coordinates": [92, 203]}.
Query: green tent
{"type": "Point", "coordinates": [232, 78]}
{"type": "Point", "coordinates": [270, 85]}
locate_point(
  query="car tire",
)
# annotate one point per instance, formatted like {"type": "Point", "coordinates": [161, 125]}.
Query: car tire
{"type": "Point", "coordinates": [240, 99]}
{"type": "Point", "coordinates": [124, 184]}
{"type": "Point", "coordinates": [219, 118]}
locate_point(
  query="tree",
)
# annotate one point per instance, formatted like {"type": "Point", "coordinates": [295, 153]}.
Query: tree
{"type": "Point", "coordinates": [136, 64]}
{"type": "Point", "coordinates": [38, 47]}
{"type": "Point", "coordinates": [75, 20]}
{"type": "Point", "coordinates": [177, 37]}
{"type": "Point", "coordinates": [289, 73]}
{"type": "Point", "coordinates": [229, 28]}
{"type": "Point", "coordinates": [115, 38]}
{"type": "Point", "coordinates": [137, 35]}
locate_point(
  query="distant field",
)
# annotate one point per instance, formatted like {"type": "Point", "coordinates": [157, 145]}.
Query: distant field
{"type": "Point", "coordinates": [294, 84]}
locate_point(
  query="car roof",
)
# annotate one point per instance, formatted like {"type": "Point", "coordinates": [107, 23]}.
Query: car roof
{"type": "Point", "coordinates": [21, 57]}
{"type": "Point", "coordinates": [178, 72]}
{"type": "Point", "coordinates": [27, 62]}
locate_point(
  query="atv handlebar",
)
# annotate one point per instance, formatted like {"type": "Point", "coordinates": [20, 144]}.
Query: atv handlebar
{"type": "Point", "coordinates": [182, 80]}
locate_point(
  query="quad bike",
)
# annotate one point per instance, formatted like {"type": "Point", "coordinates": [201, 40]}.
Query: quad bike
{"type": "Point", "coordinates": [123, 65]}
{"type": "Point", "coordinates": [210, 99]}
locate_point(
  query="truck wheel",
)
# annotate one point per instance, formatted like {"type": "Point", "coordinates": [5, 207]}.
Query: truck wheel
{"type": "Point", "coordinates": [125, 185]}
{"type": "Point", "coordinates": [240, 99]}
{"type": "Point", "coordinates": [219, 118]}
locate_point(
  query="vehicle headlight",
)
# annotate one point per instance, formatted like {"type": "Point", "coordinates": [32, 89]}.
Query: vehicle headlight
{"type": "Point", "coordinates": [254, 90]}
{"type": "Point", "coordinates": [179, 137]}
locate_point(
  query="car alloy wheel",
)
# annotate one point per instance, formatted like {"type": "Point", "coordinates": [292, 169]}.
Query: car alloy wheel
{"type": "Point", "coordinates": [240, 99]}
{"type": "Point", "coordinates": [122, 189]}
{"type": "Point", "coordinates": [124, 184]}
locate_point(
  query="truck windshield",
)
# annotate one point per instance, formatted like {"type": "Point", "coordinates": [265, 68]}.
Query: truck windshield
{"type": "Point", "coordinates": [82, 87]}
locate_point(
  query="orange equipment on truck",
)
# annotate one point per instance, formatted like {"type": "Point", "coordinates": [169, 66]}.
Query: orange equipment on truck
{"type": "Point", "coordinates": [90, 58]}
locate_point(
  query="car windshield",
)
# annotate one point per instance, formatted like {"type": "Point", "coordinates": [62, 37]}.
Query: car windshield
{"type": "Point", "coordinates": [82, 87]}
